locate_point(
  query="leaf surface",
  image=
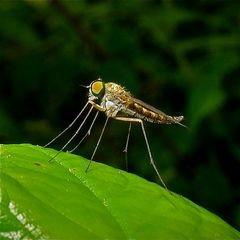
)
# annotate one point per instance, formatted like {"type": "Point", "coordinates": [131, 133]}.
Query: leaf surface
{"type": "Point", "coordinates": [58, 200]}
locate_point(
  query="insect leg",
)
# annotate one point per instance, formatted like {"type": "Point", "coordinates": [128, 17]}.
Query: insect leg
{"type": "Point", "coordinates": [150, 155]}
{"type": "Point", "coordinates": [126, 146]}
{"type": "Point", "coordinates": [98, 107]}
{"type": "Point", "coordinates": [126, 119]}
{"type": "Point", "coordinates": [87, 134]}
{"type": "Point", "coordinates": [75, 134]}
{"type": "Point", "coordinates": [105, 124]}
{"type": "Point", "coordinates": [69, 126]}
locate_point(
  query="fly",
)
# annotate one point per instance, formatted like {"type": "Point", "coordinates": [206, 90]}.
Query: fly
{"type": "Point", "coordinates": [117, 103]}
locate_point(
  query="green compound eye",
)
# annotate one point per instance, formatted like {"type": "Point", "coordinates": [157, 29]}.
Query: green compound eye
{"type": "Point", "coordinates": [97, 88]}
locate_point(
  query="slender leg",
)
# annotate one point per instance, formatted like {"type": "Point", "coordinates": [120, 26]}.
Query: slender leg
{"type": "Point", "coordinates": [70, 125]}
{"type": "Point", "coordinates": [150, 156]}
{"type": "Point", "coordinates": [87, 134]}
{"type": "Point", "coordinates": [126, 146]}
{"type": "Point", "coordinates": [75, 134]}
{"type": "Point", "coordinates": [105, 124]}
{"type": "Point", "coordinates": [98, 107]}
{"type": "Point", "coordinates": [126, 119]}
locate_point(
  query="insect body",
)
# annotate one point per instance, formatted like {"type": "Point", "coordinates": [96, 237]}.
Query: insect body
{"type": "Point", "coordinates": [119, 104]}
{"type": "Point", "coordinates": [115, 101]}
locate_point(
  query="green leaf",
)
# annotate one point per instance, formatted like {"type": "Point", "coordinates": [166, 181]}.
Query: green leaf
{"type": "Point", "coordinates": [58, 200]}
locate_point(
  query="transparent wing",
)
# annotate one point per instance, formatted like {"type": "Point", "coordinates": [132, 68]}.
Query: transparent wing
{"type": "Point", "coordinates": [148, 106]}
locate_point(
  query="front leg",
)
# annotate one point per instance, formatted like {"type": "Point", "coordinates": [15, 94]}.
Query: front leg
{"type": "Point", "coordinates": [97, 106]}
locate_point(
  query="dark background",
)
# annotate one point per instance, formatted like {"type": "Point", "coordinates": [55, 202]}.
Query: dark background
{"type": "Point", "coordinates": [182, 57]}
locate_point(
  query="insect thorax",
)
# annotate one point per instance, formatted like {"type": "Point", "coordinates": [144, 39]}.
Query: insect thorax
{"type": "Point", "coordinates": [114, 99]}
{"type": "Point", "coordinates": [118, 102]}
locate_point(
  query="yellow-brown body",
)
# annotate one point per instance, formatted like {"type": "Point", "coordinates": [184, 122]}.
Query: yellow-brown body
{"type": "Point", "coordinates": [119, 102]}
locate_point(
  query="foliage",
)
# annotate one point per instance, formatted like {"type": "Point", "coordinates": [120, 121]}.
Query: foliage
{"type": "Point", "coordinates": [182, 57]}
{"type": "Point", "coordinates": [59, 200]}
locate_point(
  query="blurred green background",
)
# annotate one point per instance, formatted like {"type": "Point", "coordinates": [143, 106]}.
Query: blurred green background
{"type": "Point", "coordinates": [182, 57]}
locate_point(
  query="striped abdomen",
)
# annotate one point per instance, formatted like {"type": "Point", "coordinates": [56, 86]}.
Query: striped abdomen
{"type": "Point", "coordinates": [148, 113]}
